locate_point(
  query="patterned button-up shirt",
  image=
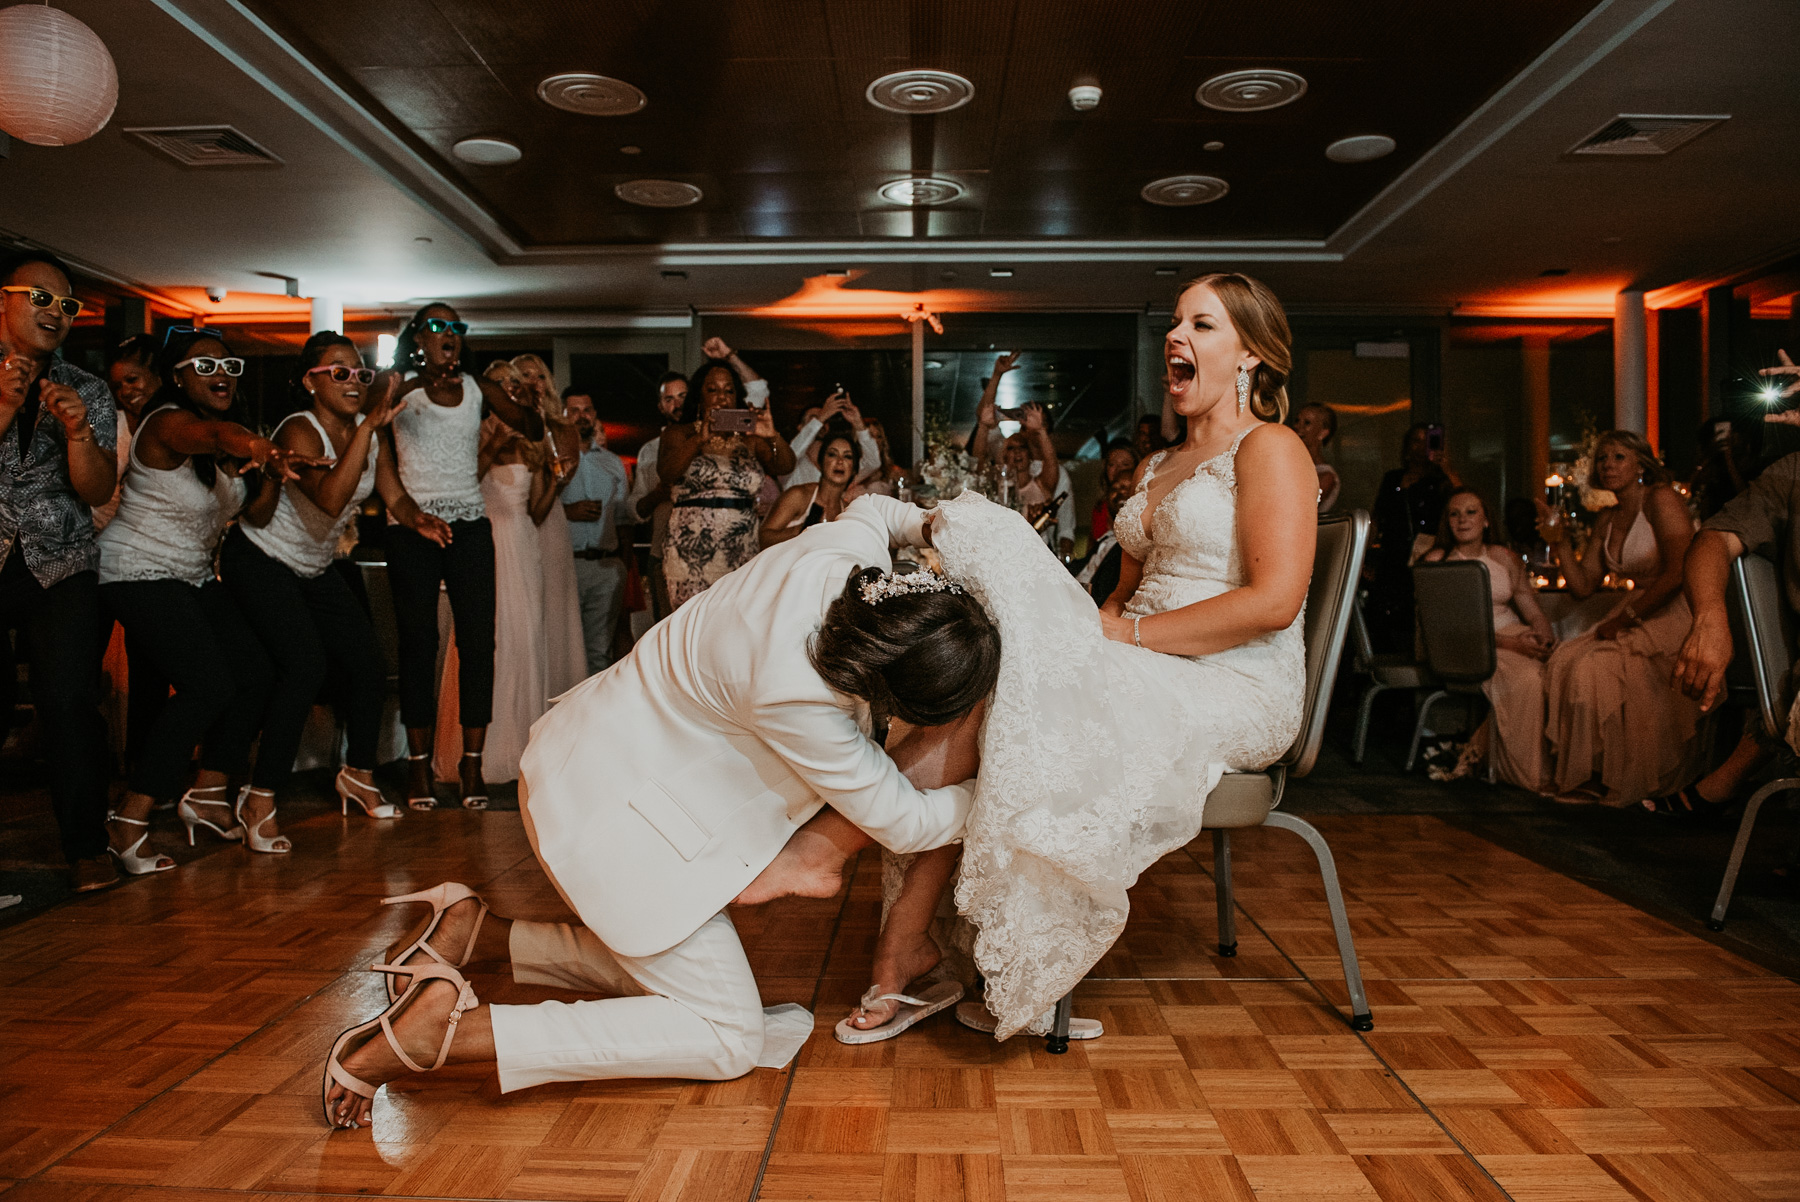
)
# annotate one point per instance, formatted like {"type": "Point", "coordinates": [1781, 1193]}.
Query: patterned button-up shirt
{"type": "Point", "coordinates": [38, 507]}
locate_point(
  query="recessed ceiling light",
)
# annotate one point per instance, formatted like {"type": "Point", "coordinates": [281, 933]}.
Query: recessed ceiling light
{"type": "Point", "coordinates": [838, 273]}
{"type": "Point", "coordinates": [921, 192]}
{"type": "Point", "coordinates": [946, 275]}
{"type": "Point", "coordinates": [658, 193]}
{"type": "Point", "coordinates": [1554, 271]}
{"type": "Point", "coordinates": [1180, 190]}
{"type": "Point", "coordinates": [1251, 91]}
{"type": "Point", "coordinates": [1364, 148]}
{"type": "Point", "coordinates": [674, 275]}
{"type": "Point", "coordinates": [421, 238]}
{"type": "Point", "coordinates": [1213, 146]}
{"type": "Point", "coordinates": [920, 92]}
{"type": "Point", "coordinates": [1000, 273]}
{"type": "Point", "coordinates": [631, 150]}
{"type": "Point", "coordinates": [591, 95]}
{"type": "Point", "coordinates": [1165, 271]}
{"type": "Point", "coordinates": [487, 152]}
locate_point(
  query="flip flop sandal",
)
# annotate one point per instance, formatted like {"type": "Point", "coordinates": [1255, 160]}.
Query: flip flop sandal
{"type": "Point", "coordinates": [975, 1016]}
{"type": "Point", "coordinates": [912, 1010]}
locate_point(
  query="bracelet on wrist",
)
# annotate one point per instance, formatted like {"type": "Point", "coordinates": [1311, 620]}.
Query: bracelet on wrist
{"type": "Point", "coordinates": [1137, 635]}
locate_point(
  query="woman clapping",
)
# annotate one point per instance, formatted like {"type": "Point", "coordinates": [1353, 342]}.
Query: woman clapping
{"type": "Point", "coordinates": [281, 574]}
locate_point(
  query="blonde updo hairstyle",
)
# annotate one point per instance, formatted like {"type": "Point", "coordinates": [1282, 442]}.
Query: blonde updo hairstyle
{"type": "Point", "coordinates": [1262, 326]}
{"type": "Point", "coordinates": [550, 407]}
{"type": "Point", "coordinates": [1650, 469]}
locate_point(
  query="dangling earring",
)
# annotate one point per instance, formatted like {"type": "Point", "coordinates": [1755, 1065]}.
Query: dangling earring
{"type": "Point", "coordinates": [1243, 383]}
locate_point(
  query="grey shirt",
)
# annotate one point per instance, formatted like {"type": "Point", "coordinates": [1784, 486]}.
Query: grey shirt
{"type": "Point", "coordinates": [39, 510]}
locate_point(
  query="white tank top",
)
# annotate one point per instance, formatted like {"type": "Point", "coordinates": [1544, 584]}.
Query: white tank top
{"type": "Point", "coordinates": [437, 445]}
{"type": "Point", "coordinates": [168, 523]}
{"type": "Point", "coordinates": [302, 536]}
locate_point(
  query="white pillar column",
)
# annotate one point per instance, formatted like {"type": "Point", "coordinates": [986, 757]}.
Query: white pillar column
{"type": "Point", "coordinates": [327, 314]}
{"type": "Point", "coordinates": [918, 393]}
{"type": "Point", "coordinates": [1534, 357]}
{"type": "Point", "coordinates": [1631, 364]}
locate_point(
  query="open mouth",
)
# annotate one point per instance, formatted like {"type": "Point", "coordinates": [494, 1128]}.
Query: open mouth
{"type": "Point", "coordinates": [1181, 369]}
{"type": "Point", "coordinates": [220, 389]}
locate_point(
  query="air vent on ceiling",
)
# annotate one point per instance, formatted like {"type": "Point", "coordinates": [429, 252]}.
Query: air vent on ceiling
{"type": "Point", "coordinates": [1178, 191]}
{"type": "Point", "coordinates": [1251, 91]}
{"type": "Point", "coordinates": [922, 192]}
{"type": "Point", "coordinates": [203, 146]}
{"type": "Point", "coordinates": [920, 92]}
{"type": "Point", "coordinates": [1646, 133]}
{"type": "Point", "coordinates": [591, 95]}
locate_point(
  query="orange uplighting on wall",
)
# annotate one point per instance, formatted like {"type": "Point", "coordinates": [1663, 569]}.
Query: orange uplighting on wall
{"type": "Point", "coordinates": [1547, 300]}
{"type": "Point", "coordinates": [827, 304]}
{"type": "Point", "coordinates": [241, 306]}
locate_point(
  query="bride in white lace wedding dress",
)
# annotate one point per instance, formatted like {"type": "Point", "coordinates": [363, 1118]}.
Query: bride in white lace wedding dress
{"type": "Point", "coordinates": [1105, 732]}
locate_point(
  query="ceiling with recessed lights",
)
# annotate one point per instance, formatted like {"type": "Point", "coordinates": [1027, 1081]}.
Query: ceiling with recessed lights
{"type": "Point", "coordinates": [848, 119]}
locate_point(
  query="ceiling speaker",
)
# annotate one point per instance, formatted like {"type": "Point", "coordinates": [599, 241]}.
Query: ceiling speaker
{"type": "Point", "coordinates": [658, 193]}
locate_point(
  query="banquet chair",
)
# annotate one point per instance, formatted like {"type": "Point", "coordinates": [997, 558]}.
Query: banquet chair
{"type": "Point", "coordinates": [1385, 671]}
{"type": "Point", "coordinates": [1765, 634]}
{"type": "Point", "coordinates": [1456, 625]}
{"type": "Point", "coordinates": [1248, 799]}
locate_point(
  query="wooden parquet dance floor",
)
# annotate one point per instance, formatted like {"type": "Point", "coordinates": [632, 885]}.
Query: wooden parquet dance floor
{"type": "Point", "coordinates": [1533, 1039]}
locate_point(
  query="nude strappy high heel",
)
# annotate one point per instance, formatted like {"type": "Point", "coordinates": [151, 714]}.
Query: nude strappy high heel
{"type": "Point", "coordinates": [189, 814]}
{"type": "Point", "coordinates": [129, 859]}
{"type": "Point", "coordinates": [383, 1022]}
{"type": "Point", "coordinates": [475, 801]}
{"type": "Point", "coordinates": [350, 789]}
{"type": "Point", "coordinates": [441, 897]}
{"type": "Point", "coordinates": [428, 801]}
{"type": "Point", "coordinates": [255, 840]}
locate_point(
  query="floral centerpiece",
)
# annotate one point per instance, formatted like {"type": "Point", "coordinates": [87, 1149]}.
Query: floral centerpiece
{"type": "Point", "coordinates": [948, 469]}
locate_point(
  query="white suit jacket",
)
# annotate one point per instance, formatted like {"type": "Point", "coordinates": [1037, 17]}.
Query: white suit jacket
{"type": "Point", "coordinates": [657, 790]}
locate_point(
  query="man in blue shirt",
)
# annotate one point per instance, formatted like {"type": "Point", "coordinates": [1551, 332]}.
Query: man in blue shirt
{"type": "Point", "coordinates": [592, 502]}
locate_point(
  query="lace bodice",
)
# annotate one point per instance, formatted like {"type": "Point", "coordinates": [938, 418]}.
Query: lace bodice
{"type": "Point", "coordinates": [437, 447]}
{"type": "Point", "coordinates": [1191, 552]}
{"type": "Point", "coordinates": [168, 524]}
{"type": "Point", "coordinates": [301, 536]}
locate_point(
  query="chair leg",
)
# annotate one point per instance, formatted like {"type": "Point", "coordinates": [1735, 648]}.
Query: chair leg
{"type": "Point", "coordinates": [1726, 886]}
{"type": "Point", "coordinates": [1360, 1017]}
{"type": "Point", "coordinates": [1222, 891]}
{"type": "Point", "coordinates": [1419, 726]}
{"type": "Point", "coordinates": [1363, 712]}
{"type": "Point", "coordinates": [1057, 1042]}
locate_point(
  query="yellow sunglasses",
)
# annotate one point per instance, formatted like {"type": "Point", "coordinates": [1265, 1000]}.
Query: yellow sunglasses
{"type": "Point", "coordinates": [43, 298]}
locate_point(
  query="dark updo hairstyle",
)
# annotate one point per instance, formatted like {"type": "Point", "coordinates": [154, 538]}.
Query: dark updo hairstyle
{"type": "Point", "coordinates": [690, 411]}
{"type": "Point", "coordinates": [836, 432]}
{"type": "Point", "coordinates": [178, 348]}
{"type": "Point", "coordinates": [139, 349]}
{"type": "Point", "coordinates": [926, 658]}
{"type": "Point", "coordinates": [406, 343]}
{"type": "Point", "coordinates": [311, 355]}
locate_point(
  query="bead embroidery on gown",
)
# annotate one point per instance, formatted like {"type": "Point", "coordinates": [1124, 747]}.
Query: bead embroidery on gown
{"type": "Point", "coordinates": [1097, 756]}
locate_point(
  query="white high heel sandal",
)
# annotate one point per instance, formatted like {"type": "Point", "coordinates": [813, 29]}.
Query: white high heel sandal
{"type": "Point", "coordinates": [478, 800]}
{"type": "Point", "coordinates": [429, 801]}
{"type": "Point", "coordinates": [441, 897]}
{"type": "Point", "coordinates": [189, 814]}
{"type": "Point", "coordinates": [254, 839]}
{"type": "Point", "coordinates": [350, 789]}
{"type": "Point", "coordinates": [129, 859]}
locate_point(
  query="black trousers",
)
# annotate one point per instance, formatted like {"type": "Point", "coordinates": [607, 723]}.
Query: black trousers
{"type": "Point", "coordinates": [316, 632]}
{"type": "Point", "coordinates": [199, 641]}
{"type": "Point", "coordinates": [58, 630]}
{"type": "Point", "coordinates": [466, 567]}
{"type": "Point", "coordinates": [147, 694]}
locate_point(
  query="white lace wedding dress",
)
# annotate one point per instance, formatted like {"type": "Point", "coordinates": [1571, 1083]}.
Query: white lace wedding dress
{"type": "Point", "coordinates": [1097, 756]}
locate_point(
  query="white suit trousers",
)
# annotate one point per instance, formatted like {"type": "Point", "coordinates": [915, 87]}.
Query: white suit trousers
{"type": "Point", "coordinates": [692, 1011]}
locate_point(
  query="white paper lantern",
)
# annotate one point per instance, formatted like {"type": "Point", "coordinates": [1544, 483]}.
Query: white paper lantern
{"type": "Point", "coordinates": [58, 84]}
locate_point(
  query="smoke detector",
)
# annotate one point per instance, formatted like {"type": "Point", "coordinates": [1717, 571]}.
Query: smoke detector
{"type": "Point", "coordinates": [919, 193]}
{"type": "Point", "coordinates": [1364, 148]}
{"type": "Point", "coordinates": [487, 152]}
{"type": "Point", "coordinates": [1646, 134]}
{"type": "Point", "coordinates": [658, 193]}
{"type": "Point", "coordinates": [591, 95]}
{"type": "Point", "coordinates": [1176, 191]}
{"type": "Point", "coordinates": [920, 92]}
{"type": "Point", "coordinates": [1084, 97]}
{"type": "Point", "coordinates": [1251, 91]}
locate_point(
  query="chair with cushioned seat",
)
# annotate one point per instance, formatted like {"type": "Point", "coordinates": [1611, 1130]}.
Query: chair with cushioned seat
{"type": "Point", "coordinates": [1248, 799]}
{"type": "Point", "coordinates": [1456, 624]}
{"type": "Point", "coordinates": [1385, 671]}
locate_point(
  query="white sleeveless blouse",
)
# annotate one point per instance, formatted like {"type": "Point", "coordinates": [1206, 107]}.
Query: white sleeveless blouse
{"type": "Point", "coordinates": [168, 523]}
{"type": "Point", "coordinates": [436, 446]}
{"type": "Point", "coordinates": [301, 536]}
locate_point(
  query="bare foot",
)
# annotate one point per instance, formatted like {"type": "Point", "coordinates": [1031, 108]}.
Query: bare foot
{"type": "Point", "coordinates": [452, 936]}
{"type": "Point", "coordinates": [811, 865]}
{"type": "Point", "coordinates": [895, 968]}
{"type": "Point", "coordinates": [420, 1030]}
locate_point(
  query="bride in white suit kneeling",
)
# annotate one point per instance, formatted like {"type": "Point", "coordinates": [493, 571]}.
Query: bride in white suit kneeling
{"type": "Point", "coordinates": [656, 791]}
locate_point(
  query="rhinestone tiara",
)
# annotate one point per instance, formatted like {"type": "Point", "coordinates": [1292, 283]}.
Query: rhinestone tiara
{"type": "Point", "coordinates": [893, 584]}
